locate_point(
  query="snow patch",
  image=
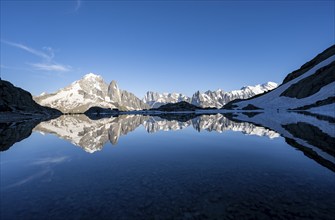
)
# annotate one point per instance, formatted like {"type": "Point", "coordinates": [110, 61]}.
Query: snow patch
{"type": "Point", "coordinates": [273, 100]}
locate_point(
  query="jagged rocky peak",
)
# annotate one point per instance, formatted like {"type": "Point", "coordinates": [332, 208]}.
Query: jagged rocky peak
{"type": "Point", "coordinates": [215, 99]}
{"type": "Point", "coordinates": [114, 92]}
{"type": "Point", "coordinates": [155, 99]}
{"type": "Point", "coordinates": [151, 96]}
{"type": "Point", "coordinates": [113, 85]}
{"type": "Point", "coordinates": [91, 91]}
{"type": "Point", "coordinates": [125, 100]}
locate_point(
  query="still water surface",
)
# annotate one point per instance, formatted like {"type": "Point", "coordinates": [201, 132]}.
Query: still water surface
{"type": "Point", "coordinates": [143, 167]}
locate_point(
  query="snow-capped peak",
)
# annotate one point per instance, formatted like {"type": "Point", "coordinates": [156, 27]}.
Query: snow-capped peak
{"type": "Point", "coordinates": [270, 84]}
{"type": "Point", "coordinates": [91, 75]}
{"type": "Point", "coordinates": [264, 86]}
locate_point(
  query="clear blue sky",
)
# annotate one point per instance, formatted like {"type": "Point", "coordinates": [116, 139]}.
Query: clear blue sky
{"type": "Point", "coordinates": [166, 46]}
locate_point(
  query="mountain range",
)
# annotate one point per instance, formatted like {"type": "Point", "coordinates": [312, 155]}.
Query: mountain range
{"type": "Point", "coordinates": [92, 91]}
{"type": "Point", "coordinates": [208, 99]}
{"type": "Point", "coordinates": [310, 88]}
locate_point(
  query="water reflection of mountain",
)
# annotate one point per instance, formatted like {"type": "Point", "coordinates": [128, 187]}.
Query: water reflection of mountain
{"type": "Point", "coordinates": [13, 132]}
{"type": "Point", "coordinates": [91, 135]}
{"type": "Point", "coordinates": [312, 134]}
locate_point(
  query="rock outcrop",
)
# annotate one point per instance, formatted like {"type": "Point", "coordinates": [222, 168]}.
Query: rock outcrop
{"type": "Point", "coordinates": [176, 107]}
{"type": "Point", "coordinates": [125, 100]}
{"type": "Point", "coordinates": [16, 102]}
{"type": "Point", "coordinates": [311, 86]}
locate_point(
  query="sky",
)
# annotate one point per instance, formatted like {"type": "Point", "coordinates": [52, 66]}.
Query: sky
{"type": "Point", "coordinates": [162, 46]}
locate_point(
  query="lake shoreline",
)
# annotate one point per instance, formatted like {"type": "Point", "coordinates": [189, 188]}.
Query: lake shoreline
{"type": "Point", "coordinates": [8, 117]}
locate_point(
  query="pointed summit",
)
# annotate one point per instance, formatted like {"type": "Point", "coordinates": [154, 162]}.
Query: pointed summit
{"type": "Point", "coordinates": [114, 85]}
{"type": "Point", "coordinates": [91, 75]}
{"type": "Point", "coordinates": [124, 98]}
{"type": "Point", "coordinates": [114, 92]}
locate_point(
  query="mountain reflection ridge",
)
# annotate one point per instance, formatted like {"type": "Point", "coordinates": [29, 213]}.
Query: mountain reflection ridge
{"type": "Point", "coordinates": [92, 135]}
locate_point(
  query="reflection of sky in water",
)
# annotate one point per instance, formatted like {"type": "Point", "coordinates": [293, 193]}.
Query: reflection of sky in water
{"type": "Point", "coordinates": [164, 174]}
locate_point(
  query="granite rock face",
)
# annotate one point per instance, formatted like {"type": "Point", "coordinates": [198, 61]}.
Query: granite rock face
{"type": "Point", "coordinates": [125, 99]}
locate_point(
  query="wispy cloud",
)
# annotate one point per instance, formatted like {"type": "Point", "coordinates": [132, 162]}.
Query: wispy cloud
{"type": "Point", "coordinates": [31, 50]}
{"type": "Point", "coordinates": [47, 55]}
{"type": "Point", "coordinates": [78, 4]}
{"type": "Point", "coordinates": [51, 67]}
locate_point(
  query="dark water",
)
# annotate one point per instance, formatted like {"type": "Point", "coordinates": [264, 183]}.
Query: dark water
{"type": "Point", "coordinates": [141, 167]}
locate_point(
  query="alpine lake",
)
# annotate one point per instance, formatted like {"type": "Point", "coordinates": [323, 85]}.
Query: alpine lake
{"type": "Point", "coordinates": [174, 166]}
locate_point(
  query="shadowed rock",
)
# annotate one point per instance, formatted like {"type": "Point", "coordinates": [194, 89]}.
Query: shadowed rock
{"type": "Point", "coordinates": [311, 84]}
{"type": "Point", "coordinates": [98, 112]}
{"type": "Point", "coordinates": [17, 103]}
{"type": "Point", "coordinates": [312, 134]}
{"type": "Point", "coordinates": [309, 65]}
{"type": "Point", "coordinates": [179, 106]}
{"type": "Point", "coordinates": [13, 132]}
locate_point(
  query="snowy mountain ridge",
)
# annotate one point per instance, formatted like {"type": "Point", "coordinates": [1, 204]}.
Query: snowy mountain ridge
{"type": "Point", "coordinates": [310, 87]}
{"type": "Point", "coordinates": [92, 91]}
{"type": "Point", "coordinates": [79, 96]}
{"type": "Point", "coordinates": [215, 99]}
{"type": "Point", "coordinates": [87, 92]}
